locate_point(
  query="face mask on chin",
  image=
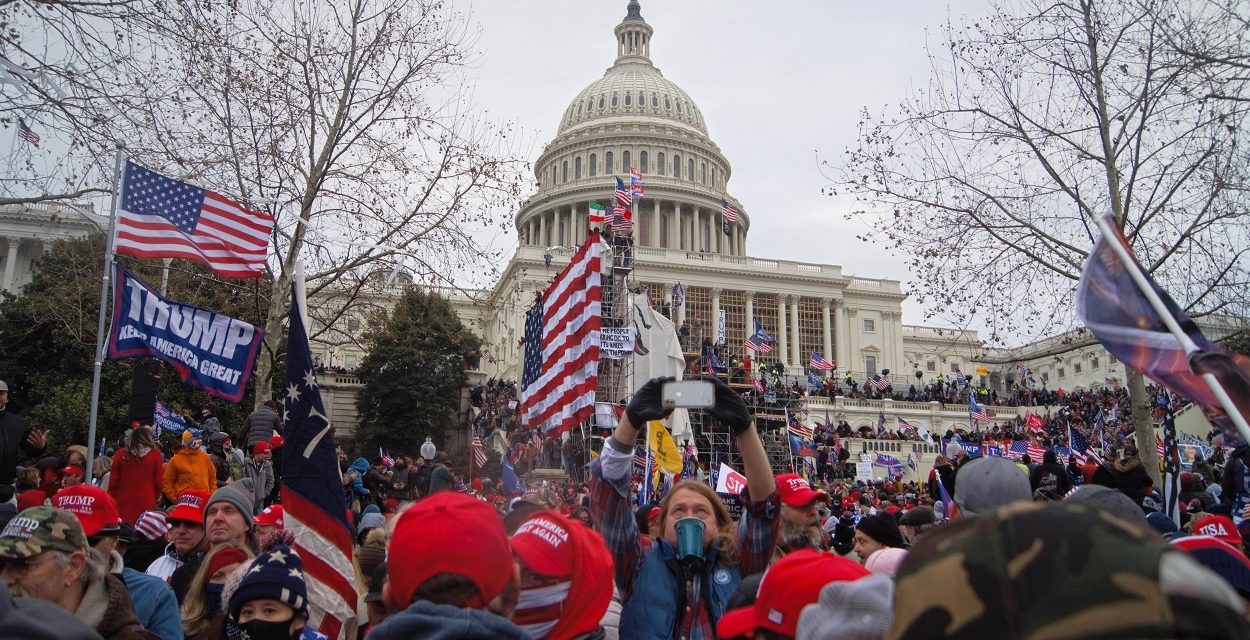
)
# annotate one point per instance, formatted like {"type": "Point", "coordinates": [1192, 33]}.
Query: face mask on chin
{"type": "Point", "coordinates": [257, 629]}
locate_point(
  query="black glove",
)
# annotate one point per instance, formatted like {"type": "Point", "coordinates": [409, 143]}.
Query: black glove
{"type": "Point", "coordinates": [729, 409]}
{"type": "Point", "coordinates": [646, 404]}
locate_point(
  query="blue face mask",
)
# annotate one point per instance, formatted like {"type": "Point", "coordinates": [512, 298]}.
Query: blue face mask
{"type": "Point", "coordinates": [212, 594]}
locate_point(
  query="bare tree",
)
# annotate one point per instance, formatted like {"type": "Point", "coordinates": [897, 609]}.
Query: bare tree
{"type": "Point", "coordinates": [1037, 119]}
{"type": "Point", "coordinates": [350, 121]}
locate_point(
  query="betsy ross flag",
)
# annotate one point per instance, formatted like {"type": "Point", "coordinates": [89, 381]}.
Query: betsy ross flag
{"type": "Point", "coordinates": [819, 363]}
{"type": "Point", "coordinates": [312, 487]}
{"type": "Point", "coordinates": [159, 217]}
{"type": "Point", "coordinates": [760, 341]}
{"type": "Point", "coordinates": [561, 366]}
{"type": "Point", "coordinates": [1110, 303]}
{"type": "Point", "coordinates": [728, 212]}
{"type": "Point", "coordinates": [26, 133]}
{"type": "Point", "coordinates": [636, 182]}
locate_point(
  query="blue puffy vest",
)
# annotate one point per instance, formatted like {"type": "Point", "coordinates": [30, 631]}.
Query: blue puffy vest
{"type": "Point", "coordinates": [651, 611]}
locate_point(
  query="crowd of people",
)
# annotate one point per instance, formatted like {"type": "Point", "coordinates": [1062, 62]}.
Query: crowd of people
{"type": "Point", "coordinates": [192, 543]}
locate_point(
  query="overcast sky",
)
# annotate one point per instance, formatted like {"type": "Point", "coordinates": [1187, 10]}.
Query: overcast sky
{"type": "Point", "coordinates": [780, 85]}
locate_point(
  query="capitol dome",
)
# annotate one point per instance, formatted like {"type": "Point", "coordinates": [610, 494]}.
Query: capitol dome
{"type": "Point", "coordinates": [634, 117]}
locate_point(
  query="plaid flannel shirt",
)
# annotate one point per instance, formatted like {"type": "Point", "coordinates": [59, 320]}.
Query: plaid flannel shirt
{"type": "Point", "coordinates": [613, 513]}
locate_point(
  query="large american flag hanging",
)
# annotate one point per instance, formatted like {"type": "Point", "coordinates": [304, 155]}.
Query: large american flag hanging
{"type": "Point", "coordinates": [159, 217]}
{"type": "Point", "coordinates": [561, 368]}
{"type": "Point", "coordinates": [312, 487]}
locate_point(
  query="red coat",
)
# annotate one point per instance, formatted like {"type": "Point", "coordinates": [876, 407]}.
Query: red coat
{"type": "Point", "coordinates": [136, 483]}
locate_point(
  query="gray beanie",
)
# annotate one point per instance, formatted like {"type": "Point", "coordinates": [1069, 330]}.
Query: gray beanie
{"type": "Point", "coordinates": [233, 494]}
{"type": "Point", "coordinates": [856, 610]}
{"type": "Point", "coordinates": [953, 450]}
{"type": "Point", "coordinates": [1109, 500]}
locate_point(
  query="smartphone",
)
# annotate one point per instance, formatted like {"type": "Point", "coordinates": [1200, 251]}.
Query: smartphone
{"type": "Point", "coordinates": [694, 394]}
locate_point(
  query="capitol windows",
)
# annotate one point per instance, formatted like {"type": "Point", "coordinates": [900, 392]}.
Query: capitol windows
{"type": "Point", "coordinates": [679, 110]}
{"type": "Point", "coordinates": [607, 162]}
{"type": "Point", "coordinates": [690, 169]}
{"type": "Point", "coordinates": [703, 167]}
{"type": "Point", "coordinates": [642, 161]}
{"type": "Point", "coordinates": [629, 99]}
{"type": "Point", "coordinates": [614, 99]}
{"type": "Point", "coordinates": [870, 325]}
{"type": "Point", "coordinates": [1093, 363]}
{"type": "Point", "coordinates": [565, 175]}
{"type": "Point", "coordinates": [655, 101]}
{"type": "Point", "coordinates": [577, 168]}
{"type": "Point", "coordinates": [659, 163]}
{"type": "Point", "coordinates": [1076, 368]}
{"type": "Point", "coordinates": [676, 166]}
{"type": "Point", "coordinates": [594, 165]}
{"type": "Point", "coordinates": [668, 104]}
{"type": "Point", "coordinates": [642, 99]}
{"type": "Point", "coordinates": [601, 103]}
{"type": "Point", "coordinates": [870, 365]}
{"type": "Point", "coordinates": [579, 110]}
{"type": "Point", "coordinates": [930, 366]}
{"type": "Point", "coordinates": [625, 164]}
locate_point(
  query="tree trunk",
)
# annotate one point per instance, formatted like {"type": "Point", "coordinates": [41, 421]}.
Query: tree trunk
{"type": "Point", "coordinates": [262, 377]}
{"type": "Point", "coordinates": [1143, 428]}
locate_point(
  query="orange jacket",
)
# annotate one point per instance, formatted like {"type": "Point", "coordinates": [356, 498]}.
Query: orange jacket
{"type": "Point", "coordinates": [188, 469]}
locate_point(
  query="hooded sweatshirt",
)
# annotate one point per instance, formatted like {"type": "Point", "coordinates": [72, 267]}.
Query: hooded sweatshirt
{"type": "Point", "coordinates": [431, 621]}
{"type": "Point", "coordinates": [189, 468]}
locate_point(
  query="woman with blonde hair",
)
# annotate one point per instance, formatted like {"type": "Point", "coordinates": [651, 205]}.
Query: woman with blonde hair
{"type": "Point", "coordinates": [203, 612]}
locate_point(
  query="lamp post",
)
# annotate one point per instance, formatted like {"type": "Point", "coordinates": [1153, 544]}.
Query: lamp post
{"type": "Point", "coordinates": [428, 450]}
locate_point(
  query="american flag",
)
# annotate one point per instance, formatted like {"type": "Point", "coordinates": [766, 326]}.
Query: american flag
{"type": "Point", "coordinates": [819, 363]}
{"type": "Point", "coordinates": [1020, 447]}
{"type": "Point", "coordinates": [728, 211]}
{"type": "Point", "coordinates": [312, 487]}
{"type": "Point", "coordinates": [879, 383]}
{"type": "Point", "coordinates": [624, 197]}
{"type": "Point", "coordinates": [26, 133]}
{"type": "Point", "coordinates": [1078, 444]}
{"type": "Point", "coordinates": [159, 217]}
{"type": "Point", "coordinates": [622, 220]}
{"type": "Point", "coordinates": [479, 452]}
{"type": "Point", "coordinates": [760, 341]}
{"type": "Point", "coordinates": [561, 368]}
{"type": "Point", "coordinates": [796, 427]}
{"type": "Point", "coordinates": [976, 412]}
{"type": "Point", "coordinates": [636, 182]}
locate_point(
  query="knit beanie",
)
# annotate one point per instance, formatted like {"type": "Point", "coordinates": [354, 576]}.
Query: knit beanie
{"type": "Point", "coordinates": [850, 610]}
{"type": "Point", "coordinates": [277, 574]}
{"type": "Point", "coordinates": [882, 528]}
{"type": "Point", "coordinates": [1222, 558]}
{"type": "Point", "coordinates": [235, 496]}
{"type": "Point", "coordinates": [885, 561]}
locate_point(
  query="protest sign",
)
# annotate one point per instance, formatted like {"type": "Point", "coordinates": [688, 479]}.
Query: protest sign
{"type": "Point", "coordinates": [730, 481]}
{"type": "Point", "coordinates": [616, 343]}
{"type": "Point", "coordinates": [863, 471]}
{"type": "Point", "coordinates": [733, 503]}
{"type": "Point", "coordinates": [164, 419]}
{"type": "Point", "coordinates": [209, 350]}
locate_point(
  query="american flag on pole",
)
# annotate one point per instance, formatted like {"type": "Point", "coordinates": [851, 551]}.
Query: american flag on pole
{"type": "Point", "coordinates": [159, 217]}
{"type": "Point", "coordinates": [636, 182]}
{"type": "Point", "coordinates": [976, 412]}
{"type": "Point", "coordinates": [26, 133]}
{"type": "Point", "coordinates": [561, 367]}
{"type": "Point", "coordinates": [479, 452]}
{"type": "Point", "coordinates": [796, 426]}
{"type": "Point", "coordinates": [312, 487]}
{"type": "Point", "coordinates": [760, 341]}
{"type": "Point", "coordinates": [819, 363]}
{"type": "Point", "coordinates": [1078, 444]}
{"type": "Point", "coordinates": [879, 383]}
{"type": "Point", "coordinates": [728, 212]}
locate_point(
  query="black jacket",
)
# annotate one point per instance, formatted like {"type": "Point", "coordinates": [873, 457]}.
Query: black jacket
{"type": "Point", "coordinates": [13, 432]}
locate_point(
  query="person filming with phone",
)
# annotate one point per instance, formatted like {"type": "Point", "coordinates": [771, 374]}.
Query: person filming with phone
{"type": "Point", "coordinates": [680, 586]}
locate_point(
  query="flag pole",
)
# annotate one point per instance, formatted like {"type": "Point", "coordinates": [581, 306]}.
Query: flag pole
{"type": "Point", "coordinates": [1187, 343]}
{"type": "Point", "coordinates": [646, 470]}
{"type": "Point", "coordinates": [105, 279]}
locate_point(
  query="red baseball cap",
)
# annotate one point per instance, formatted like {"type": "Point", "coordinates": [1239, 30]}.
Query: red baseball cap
{"type": "Point", "coordinates": [270, 517]}
{"type": "Point", "coordinates": [788, 586]}
{"type": "Point", "coordinates": [1220, 527]}
{"type": "Point", "coordinates": [449, 532]}
{"type": "Point", "coordinates": [95, 508]}
{"type": "Point", "coordinates": [261, 446]}
{"type": "Point", "coordinates": [72, 471]}
{"type": "Point", "coordinates": [543, 544]}
{"type": "Point", "coordinates": [796, 492]}
{"type": "Point", "coordinates": [190, 506]}
{"type": "Point", "coordinates": [275, 441]}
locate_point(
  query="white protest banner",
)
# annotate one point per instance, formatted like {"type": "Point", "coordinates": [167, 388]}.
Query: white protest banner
{"type": "Point", "coordinates": [730, 481]}
{"type": "Point", "coordinates": [720, 328]}
{"type": "Point", "coordinates": [616, 342]}
{"type": "Point", "coordinates": [863, 471]}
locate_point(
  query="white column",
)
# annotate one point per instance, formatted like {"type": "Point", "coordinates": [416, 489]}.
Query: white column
{"type": "Point", "coordinates": [654, 233]}
{"type": "Point", "coordinates": [715, 313]}
{"type": "Point", "coordinates": [542, 230]}
{"type": "Point", "coordinates": [748, 322]}
{"type": "Point", "coordinates": [782, 341]}
{"type": "Point", "coordinates": [842, 341]}
{"type": "Point", "coordinates": [10, 263]}
{"type": "Point", "coordinates": [827, 342]}
{"type": "Point", "coordinates": [852, 341]}
{"type": "Point", "coordinates": [692, 220]}
{"type": "Point", "coordinates": [794, 331]}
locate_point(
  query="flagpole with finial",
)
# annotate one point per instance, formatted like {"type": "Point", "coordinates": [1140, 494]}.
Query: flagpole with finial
{"type": "Point", "coordinates": [106, 279]}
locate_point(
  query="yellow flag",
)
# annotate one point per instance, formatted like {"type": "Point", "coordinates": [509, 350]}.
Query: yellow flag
{"type": "Point", "coordinates": [663, 449]}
